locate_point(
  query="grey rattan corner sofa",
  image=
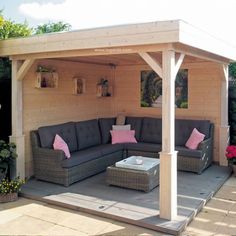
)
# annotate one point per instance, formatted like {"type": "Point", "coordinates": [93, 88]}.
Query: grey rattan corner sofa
{"type": "Point", "coordinates": [91, 150]}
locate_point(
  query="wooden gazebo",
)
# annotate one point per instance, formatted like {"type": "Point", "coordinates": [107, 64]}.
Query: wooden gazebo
{"type": "Point", "coordinates": [162, 46]}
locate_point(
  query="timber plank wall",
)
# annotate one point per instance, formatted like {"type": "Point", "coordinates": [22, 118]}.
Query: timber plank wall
{"type": "Point", "coordinates": [47, 106]}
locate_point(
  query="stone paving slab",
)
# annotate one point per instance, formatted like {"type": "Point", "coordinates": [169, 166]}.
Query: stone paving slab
{"type": "Point", "coordinates": [25, 217]}
{"type": "Point", "coordinates": [218, 217]}
{"type": "Point", "coordinates": [94, 196]}
{"type": "Point", "coordinates": [44, 219]}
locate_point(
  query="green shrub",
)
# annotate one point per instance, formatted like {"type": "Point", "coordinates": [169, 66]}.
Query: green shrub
{"type": "Point", "coordinates": [184, 105]}
{"type": "Point", "coordinates": [144, 104]}
{"type": "Point", "coordinates": [7, 151]}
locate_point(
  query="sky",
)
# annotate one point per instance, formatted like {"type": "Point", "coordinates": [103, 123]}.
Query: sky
{"type": "Point", "coordinates": [217, 17]}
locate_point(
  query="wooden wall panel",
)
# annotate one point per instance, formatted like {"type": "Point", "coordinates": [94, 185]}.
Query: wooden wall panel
{"type": "Point", "coordinates": [203, 94]}
{"type": "Point", "coordinates": [53, 106]}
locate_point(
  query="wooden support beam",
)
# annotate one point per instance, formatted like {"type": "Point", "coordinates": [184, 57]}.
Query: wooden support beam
{"type": "Point", "coordinates": [179, 63]}
{"type": "Point", "coordinates": [224, 126]}
{"type": "Point", "coordinates": [96, 52]}
{"type": "Point", "coordinates": [224, 95]}
{"type": "Point", "coordinates": [17, 120]}
{"type": "Point", "coordinates": [225, 69]}
{"type": "Point", "coordinates": [168, 155]}
{"type": "Point", "coordinates": [24, 69]}
{"type": "Point", "coordinates": [152, 62]}
{"type": "Point", "coordinates": [17, 107]}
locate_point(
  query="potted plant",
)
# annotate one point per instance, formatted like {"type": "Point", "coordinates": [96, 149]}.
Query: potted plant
{"type": "Point", "coordinates": [231, 156]}
{"type": "Point", "coordinates": [9, 189]}
{"type": "Point", "coordinates": [7, 157]}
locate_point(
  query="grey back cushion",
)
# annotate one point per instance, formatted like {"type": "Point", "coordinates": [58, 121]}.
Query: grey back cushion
{"type": "Point", "coordinates": [88, 134]}
{"type": "Point", "coordinates": [136, 124]}
{"type": "Point", "coordinates": [66, 131]}
{"type": "Point", "coordinates": [151, 130]}
{"type": "Point", "coordinates": [105, 127]}
{"type": "Point", "coordinates": [184, 128]}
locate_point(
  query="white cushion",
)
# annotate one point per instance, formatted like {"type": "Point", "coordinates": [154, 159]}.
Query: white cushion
{"type": "Point", "coordinates": [121, 127]}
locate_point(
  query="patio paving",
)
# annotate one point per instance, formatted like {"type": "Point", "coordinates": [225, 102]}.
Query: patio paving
{"type": "Point", "coordinates": [94, 196]}
{"type": "Point", "coordinates": [218, 217]}
{"type": "Point", "coordinates": [30, 217]}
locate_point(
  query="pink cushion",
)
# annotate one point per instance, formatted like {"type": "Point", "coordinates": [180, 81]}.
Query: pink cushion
{"type": "Point", "coordinates": [195, 138]}
{"type": "Point", "coordinates": [123, 136]}
{"type": "Point", "coordinates": [60, 144]}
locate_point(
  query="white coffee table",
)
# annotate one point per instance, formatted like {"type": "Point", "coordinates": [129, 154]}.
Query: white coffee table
{"type": "Point", "coordinates": [138, 163]}
{"type": "Point", "coordinates": [129, 174]}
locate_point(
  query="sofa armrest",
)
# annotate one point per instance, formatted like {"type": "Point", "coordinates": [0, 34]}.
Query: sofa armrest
{"type": "Point", "coordinates": [49, 155]}
{"type": "Point", "coordinates": [205, 144]}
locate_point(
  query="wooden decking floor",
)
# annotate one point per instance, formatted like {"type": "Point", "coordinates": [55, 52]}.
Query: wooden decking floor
{"type": "Point", "coordinates": [94, 196]}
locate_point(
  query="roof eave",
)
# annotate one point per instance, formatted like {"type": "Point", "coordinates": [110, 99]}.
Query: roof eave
{"type": "Point", "coordinates": [118, 36]}
{"type": "Point", "coordinates": [162, 32]}
{"type": "Point", "coordinates": [197, 38]}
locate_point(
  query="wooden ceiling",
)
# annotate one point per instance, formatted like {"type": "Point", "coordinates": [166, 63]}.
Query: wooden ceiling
{"type": "Point", "coordinates": [123, 59]}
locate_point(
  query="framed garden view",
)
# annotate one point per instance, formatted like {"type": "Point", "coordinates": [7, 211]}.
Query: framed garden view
{"type": "Point", "coordinates": [151, 89]}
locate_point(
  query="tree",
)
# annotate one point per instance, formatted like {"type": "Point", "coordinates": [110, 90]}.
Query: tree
{"type": "Point", "coordinates": [52, 27]}
{"type": "Point", "coordinates": [232, 70]}
{"type": "Point", "coordinates": [10, 29]}
{"type": "Point", "coordinates": [5, 68]}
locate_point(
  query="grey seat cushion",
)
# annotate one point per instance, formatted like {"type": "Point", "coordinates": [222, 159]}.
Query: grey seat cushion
{"type": "Point", "coordinates": [105, 125]}
{"type": "Point", "coordinates": [183, 151]}
{"type": "Point", "coordinates": [151, 130]}
{"type": "Point", "coordinates": [111, 148]}
{"type": "Point", "coordinates": [145, 147]}
{"type": "Point", "coordinates": [88, 134]}
{"type": "Point", "coordinates": [66, 131]}
{"type": "Point", "coordinates": [184, 128]}
{"type": "Point", "coordinates": [82, 156]}
{"type": "Point", "coordinates": [136, 124]}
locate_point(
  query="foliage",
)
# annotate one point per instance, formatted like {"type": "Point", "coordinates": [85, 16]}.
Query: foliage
{"type": "Point", "coordinates": [232, 70]}
{"type": "Point", "coordinates": [232, 111]}
{"type": "Point", "coordinates": [10, 29]}
{"type": "Point", "coordinates": [11, 186]}
{"type": "Point", "coordinates": [7, 151]}
{"type": "Point", "coordinates": [52, 27]}
{"type": "Point", "coordinates": [184, 104]}
{"type": "Point", "coordinates": [144, 104]}
{"type": "Point", "coordinates": [231, 154]}
{"type": "Point", "coordinates": [5, 68]}
{"type": "Point", "coordinates": [233, 106]}
{"type": "Point", "coordinates": [44, 69]}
